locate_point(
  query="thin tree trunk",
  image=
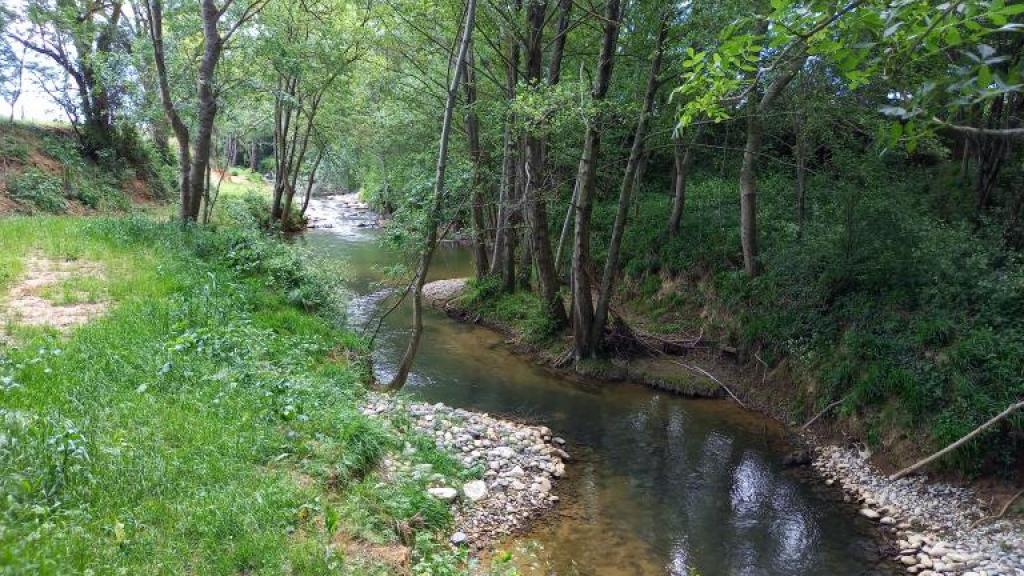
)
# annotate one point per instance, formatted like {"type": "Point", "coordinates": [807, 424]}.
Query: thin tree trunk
{"type": "Point", "coordinates": [992, 422]}
{"type": "Point", "coordinates": [583, 309]}
{"type": "Point", "coordinates": [748, 194]}
{"type": "Point", "coordinates": [748, 170]}
{"type": "Point", "coordinates": [611, 265]}
{"type": "Point", "coordinates": [154, 13]}
{"type": "Point", "coordinates": [566, 224]}
{"type": "Point", "coordinates": [503, 258]}
{"type": "Point", "coordinates": [682, 157]}
{"type": "Point", "coordinates": [477, 156]}
{"type": "Point", "coordinates": [310, 181]}
{"type": "Point", "coordinates": [434, 221]}
{"type": "Point", "coordinates": [534, 171]}
{"type": "Point", "coordinates": [801, 181]}
{"type": "Point", "coordinates": [207, 112]}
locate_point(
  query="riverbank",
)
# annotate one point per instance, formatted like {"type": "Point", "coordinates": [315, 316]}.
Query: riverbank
{"type": "Point", "coordinates": [185, 400]}
{"type": "Point", "coordinates": [514, 467]}
{"type": "Point", "coordinates": [911, 507]}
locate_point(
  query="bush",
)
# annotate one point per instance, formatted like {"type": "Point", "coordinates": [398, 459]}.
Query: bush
{"type": "Point", "coordinates": [41, 190]}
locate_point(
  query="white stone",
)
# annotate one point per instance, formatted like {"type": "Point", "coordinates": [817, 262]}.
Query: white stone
{"type": "Point", "coordinates": [445, 494]}
{"type": "Point", "coordinates": [475, 490]}
{"type": "Point", "coordinates": [869, 513]}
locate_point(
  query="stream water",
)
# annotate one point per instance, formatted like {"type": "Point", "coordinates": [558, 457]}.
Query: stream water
{"type": "Point", "coordinates": [659, 484]}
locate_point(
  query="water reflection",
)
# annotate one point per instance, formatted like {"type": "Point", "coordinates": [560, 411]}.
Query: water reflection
{"type": "Point", "coordinates": [659, 484]}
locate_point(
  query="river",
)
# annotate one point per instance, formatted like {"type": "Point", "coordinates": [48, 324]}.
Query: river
{"type": "Point", "coordinates": [659, 484]}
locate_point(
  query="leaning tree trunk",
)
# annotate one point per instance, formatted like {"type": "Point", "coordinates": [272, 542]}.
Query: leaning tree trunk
{"type": "Point", "coordinates": [154, 14]}
{"type": "Point", "coordinates": [434, 220]}
{"type": "Point", "coordinates": [583, 309]}
{"type": "Point", "coordinates": [625, 194]}
{"type": "Point", "coordinates": [547, 278]}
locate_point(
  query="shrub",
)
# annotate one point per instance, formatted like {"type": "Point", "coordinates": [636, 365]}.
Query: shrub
{"type": "Point", "coordinates": [41, 190]}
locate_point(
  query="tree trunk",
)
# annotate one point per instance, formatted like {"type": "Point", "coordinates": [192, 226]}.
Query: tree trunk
{"type": "Point", "coordinates": [154, 13]}
{"type": "Point", "coordinates": [629, 179]}
{"type": "Point", "coordinates": [748, 194]}
{"type": "Point", "coordinates": [534, 171]}
{"type": "Point", "coordinates": [503, 258]}
{"type": "Point", "coordinates": [207, 112]}
{"type": "Point", "coordinates": [682, 156]}
{"type": "Point", "coordinates": [748, 171]}
{"type": "Point", "coordinates": [309, 182]}
{"type": "Point", "coordinates": [477, 157]}
{"type": "Point", "coordinates": [583, 310]}
{"type": "Point", "coordinates": [801, 181]}
{"type": "Point", "coordinates": [434, 221]}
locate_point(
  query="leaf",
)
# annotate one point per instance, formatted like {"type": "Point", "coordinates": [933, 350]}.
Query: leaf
{"type": "Point", "coordinates": [952, 36]}
{"type": "Point", "coordinates": [984, 77]}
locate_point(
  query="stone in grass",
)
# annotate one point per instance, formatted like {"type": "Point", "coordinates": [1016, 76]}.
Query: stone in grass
{"type": "Point", "coordinates": [445, 494]}
{"type": "Point", "coordinates": [459, 538]}
{"type": "Point", "coordinates": [475, 490]}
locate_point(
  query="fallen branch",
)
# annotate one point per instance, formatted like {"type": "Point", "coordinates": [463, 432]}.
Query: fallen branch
{"type": "Point", "coordinates": [1002, 511]}
{"type": "Point", "coordinates": [824, 411]}
{"type": "Point", "coordinates": [698, 370]}
{"type": "Point", "coordinates": [996, 419]}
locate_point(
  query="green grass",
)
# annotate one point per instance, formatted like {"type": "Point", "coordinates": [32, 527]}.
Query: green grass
{"type": "Point", "coordinates": [208, 424]}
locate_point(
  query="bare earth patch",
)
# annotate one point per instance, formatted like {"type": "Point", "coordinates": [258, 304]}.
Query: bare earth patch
{"type": "Point", "coordinates": [26, 304]}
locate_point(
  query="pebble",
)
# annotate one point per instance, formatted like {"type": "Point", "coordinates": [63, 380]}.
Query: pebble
{"type": "Point", "coordinates": [508, 497]}
{"type": "Point", "coordinates": [446, 494]}
{"type": "Point", "coordinates": [936, 526]}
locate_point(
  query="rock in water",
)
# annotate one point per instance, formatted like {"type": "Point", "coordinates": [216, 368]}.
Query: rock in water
{"type": "Point", "coordinates": [445, 494]}
{"type": "Point", "coordinates": [475, 490]}
{"type": "Point", "coordinates": [798, 458]}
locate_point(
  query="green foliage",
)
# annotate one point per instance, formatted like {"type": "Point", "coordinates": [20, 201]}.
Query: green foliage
{"type": "Point", "coordinates": [41, 190]}
{"type": "Point", "coordinates": [13, 148]}
{"type": "Point", "coordinates": [915, 318]}
{"type": "Point", "coordinates": [522, 311]}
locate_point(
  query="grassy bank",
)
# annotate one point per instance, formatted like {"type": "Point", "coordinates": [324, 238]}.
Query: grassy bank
{"type": "Point", "coordinates": [207, 422]}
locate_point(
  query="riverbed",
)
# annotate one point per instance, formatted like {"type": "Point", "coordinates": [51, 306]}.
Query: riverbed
{"type": "Point", "coordinates": [659, 484]}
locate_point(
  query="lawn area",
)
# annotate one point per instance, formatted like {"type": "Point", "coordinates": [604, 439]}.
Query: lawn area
{"type": "Point", "coordinates": [204, 421]}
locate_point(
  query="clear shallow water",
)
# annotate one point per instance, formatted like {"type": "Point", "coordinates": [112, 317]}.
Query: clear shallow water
{"type": "Point", "coordinates": [659, 484]}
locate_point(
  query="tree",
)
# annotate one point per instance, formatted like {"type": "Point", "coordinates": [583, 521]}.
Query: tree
{"type": "Point", "coordinates": [582, 301]}
{"type": "Point", "coordinates": [309, 47]}
{"type": "Point", "coordinates": [534, 169]}
{"type": "Point", "coordinates": [80, 38]}
{"type": "Point", "coordinates": [194, 154]}
{"type": "Point", "coordinates": [434, 216]}
{"type": "Point", "coordinates": [629, 179]}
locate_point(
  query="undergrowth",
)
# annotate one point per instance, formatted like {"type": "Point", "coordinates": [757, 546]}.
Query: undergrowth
{"type": "Point", "coordinates": [910, 312]}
